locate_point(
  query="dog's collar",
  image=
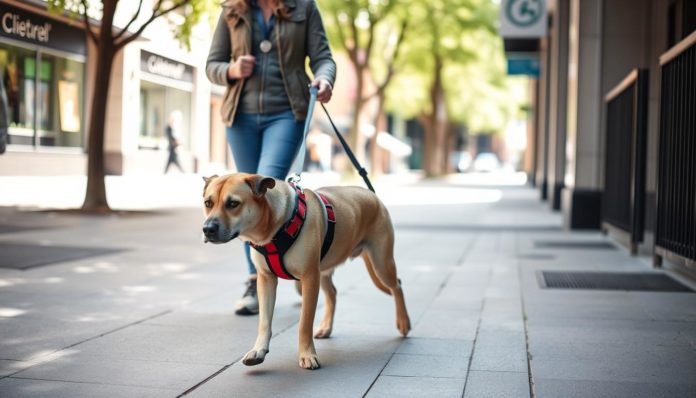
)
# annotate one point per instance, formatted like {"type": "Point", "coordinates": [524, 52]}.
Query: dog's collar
{"type": "Point", "coordinates": [281, 242]}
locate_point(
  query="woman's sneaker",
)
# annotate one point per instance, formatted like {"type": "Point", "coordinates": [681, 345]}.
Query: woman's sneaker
{"type": "Point", "coordinates": [249, 303]}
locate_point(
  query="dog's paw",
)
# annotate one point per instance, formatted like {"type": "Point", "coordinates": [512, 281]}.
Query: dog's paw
{"type": "Point", "coordinates": [404, 325]}
{"type": "Point", "coordinates": [254, 357]}
{"type": "Point", "coordinates": [310, 362]}
{"type": "Point", "coordinates": [323, 332]}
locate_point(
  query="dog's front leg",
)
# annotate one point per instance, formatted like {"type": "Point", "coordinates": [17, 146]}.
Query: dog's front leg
{"type": "Point", "coordinates": [310, 294]}
{"type": "Point", "coordinates": [266, 285]}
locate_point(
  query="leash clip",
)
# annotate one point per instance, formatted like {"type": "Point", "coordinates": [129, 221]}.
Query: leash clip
{"type": "Point", "coordinates": [294, 178]}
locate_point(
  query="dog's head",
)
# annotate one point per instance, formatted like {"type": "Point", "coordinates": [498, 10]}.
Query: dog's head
{"type": "Point", "coordinates": [234, 204]}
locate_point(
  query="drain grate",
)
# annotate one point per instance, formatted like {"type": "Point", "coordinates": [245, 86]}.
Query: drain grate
{"type": "Point", "coordinates": [23, 256]}
{"type": "Point", "coordinates": [647, 282]}
{"type": "Point", "coordinates": [573, 244]}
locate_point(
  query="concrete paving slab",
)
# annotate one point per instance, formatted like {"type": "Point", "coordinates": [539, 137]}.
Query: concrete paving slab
{"type": "Point", "coordinates": [549, 388]}
{"type": "Point", "coordinates": [482, 384]}
{"type": "Point", "coordinates": [427, 366]}
{"type": "Point", "coordinates": [29, 339]}
{"type": "Point", "coordinates": [30, 388]}
{"type": "Point", "coordinates": [416, 387]}
{"type": "Point", "coordinates": [500, 351]}
{"type": "Point", "coordinates": [623, 364]}
{"type": "Point", "coordinates": [343, 374]}
{"type": "Point", "coordinates": [73, 367]}
{"type": "Point", "coordinates": [438, 347]}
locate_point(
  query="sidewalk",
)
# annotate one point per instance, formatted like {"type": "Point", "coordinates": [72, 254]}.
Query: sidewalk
{"type": "Point", "coordinates": [153, 316]}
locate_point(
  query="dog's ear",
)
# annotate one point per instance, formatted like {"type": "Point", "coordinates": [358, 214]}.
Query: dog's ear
{"type": "Point", "coordinates": [208, 180]}
{"type": "Point", "coordinates": [260, 184]}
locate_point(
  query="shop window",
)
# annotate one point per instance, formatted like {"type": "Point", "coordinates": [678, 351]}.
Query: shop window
{"type": "Point", "coordinates": [157, 105]}
{"type": "Point", "coordinates": [44, 95]}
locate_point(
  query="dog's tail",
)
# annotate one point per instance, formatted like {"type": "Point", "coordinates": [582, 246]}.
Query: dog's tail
{"type": "Point", "coordinates": [371, 270]}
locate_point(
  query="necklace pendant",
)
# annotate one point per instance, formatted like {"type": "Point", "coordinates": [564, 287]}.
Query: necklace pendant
{"type": "Point", "coordinates": [265, 46]}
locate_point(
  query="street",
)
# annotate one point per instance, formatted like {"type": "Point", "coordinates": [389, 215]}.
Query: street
{"type": "Point", "coordinates": [137, 305]}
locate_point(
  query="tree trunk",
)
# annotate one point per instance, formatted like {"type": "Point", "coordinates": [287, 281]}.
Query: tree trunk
{"type": "Point", "coordinates": [435, 126]}
{"type": "Point", "coordinates": [95, 195]}
{"type": "Point", "coordinates": [376, 166]}
{"type": "Point", "coordinates": [354, 139]}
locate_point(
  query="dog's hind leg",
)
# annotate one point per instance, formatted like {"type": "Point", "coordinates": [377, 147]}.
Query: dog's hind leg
{"type": "Point", "coordinates": [326, 325]}
{"type": "Point", "coordinates": [371, 271]}
{"type": "Point", "coordinates": [380, 253]}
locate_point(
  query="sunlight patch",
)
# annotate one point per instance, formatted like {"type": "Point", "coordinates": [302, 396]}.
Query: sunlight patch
{"type": "Point", "coordinates": [6, 312]}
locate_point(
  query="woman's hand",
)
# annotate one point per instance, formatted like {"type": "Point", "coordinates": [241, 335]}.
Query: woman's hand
{"type": "Point", "coordinates": [325, 90]}
{"type": "Point", "coordinates": [242, 68]}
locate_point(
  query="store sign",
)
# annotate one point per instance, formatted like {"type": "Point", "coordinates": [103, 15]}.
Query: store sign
{"type": "Point", "coordinates": [523, 65]}
{"type": "Point", "coordinates": [25, 26]}
{"type": "Point", "coordinates": [165, 67]}
{"type": "Point", "coordinates": [523, 18]}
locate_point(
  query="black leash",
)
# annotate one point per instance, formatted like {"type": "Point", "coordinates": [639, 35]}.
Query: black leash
{"type": "Point", "coordinates": [349, 152]}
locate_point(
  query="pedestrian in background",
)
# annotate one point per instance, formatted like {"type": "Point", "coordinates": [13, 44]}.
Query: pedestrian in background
{"type": "Point", "coordinates": [172, 132]}
{"type": "Point", "coordinates": [258, 51]}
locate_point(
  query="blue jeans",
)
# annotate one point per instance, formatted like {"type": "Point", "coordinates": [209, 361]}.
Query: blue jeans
{"type": "Point", "coordinates": [264, 144]}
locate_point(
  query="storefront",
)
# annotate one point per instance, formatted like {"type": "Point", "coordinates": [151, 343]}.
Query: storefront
{"type": "Point", "coordinates": [166, 88]}
{"type": "Point", "coordinates": [42, 65]}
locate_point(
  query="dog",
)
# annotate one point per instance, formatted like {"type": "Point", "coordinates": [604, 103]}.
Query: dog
{"type": "Point", "coordinates": [260, 209]}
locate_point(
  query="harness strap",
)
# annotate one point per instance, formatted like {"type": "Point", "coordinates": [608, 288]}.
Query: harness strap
{"type": "Point", "coordinates": [274, 250]}
{"type": "Point", "coordinates": [281, 242]}
{"type": "Point", "coordinates": [330, 226]}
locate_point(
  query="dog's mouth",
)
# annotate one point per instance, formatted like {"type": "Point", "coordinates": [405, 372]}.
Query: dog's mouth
{"type": "Point", "coordinates": [214, 240]}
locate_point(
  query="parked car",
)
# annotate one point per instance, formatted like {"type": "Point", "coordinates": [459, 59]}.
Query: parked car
{"type": "Point", "coordinates": [486, 161]}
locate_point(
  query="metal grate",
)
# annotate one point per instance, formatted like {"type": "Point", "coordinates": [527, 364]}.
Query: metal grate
{"type": "Point", "coordinates": [573, 244]}
{"type": "Point", "coordinates": [648, 282]}
{"type": "Point", "coordinates": [23, 256]}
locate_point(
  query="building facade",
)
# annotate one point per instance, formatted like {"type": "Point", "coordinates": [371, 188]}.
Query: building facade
{"type": "Point", "coordinates": [613, 126]}
{"type": "Point", "coordinates": [46, 64]}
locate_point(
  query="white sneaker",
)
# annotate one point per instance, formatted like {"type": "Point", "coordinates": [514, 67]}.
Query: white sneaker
{"type": "Point", "coordinates": [249, 303]}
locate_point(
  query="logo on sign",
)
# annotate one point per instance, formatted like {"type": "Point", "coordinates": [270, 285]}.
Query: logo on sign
{"type": "Point", "coordinates": [524, 13]}
{"type": "Point", "coordinates": [13, 25]}
{"type": "Point", "coordinates": [162, 67]}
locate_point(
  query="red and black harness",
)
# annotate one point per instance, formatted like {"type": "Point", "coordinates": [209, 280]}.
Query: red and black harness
{"type": "Point", "coordinates": [283, 239]}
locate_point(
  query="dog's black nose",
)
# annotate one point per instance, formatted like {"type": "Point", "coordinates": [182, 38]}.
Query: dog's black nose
{"type": "Point", "coordinates": [211, 228]}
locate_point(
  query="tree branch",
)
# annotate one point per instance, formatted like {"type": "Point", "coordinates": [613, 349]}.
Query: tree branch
{"type": "Point", "coordinates": [135, 17]}
{"type": "Point", "coordinates": [356, 45]}
{"type": "Point", "coordinates": [155, 14]}
{"type": "Point", "coordinates": [88, 27]}
{"type": "Point", "coordinates": [391, 70]}
{"type": "Point", "coordinates": [342, 37]}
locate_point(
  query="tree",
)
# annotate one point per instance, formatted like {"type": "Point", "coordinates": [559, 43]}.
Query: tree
{"type": "Point", "coordinates": [452, 47]}
{"type": "Point", "coordinates": [369, 32]}
{"type": "Point", "coordinates": [109, 40]}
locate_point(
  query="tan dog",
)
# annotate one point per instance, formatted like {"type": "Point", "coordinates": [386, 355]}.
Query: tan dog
{"type": "Point", "coordinates": [255, 207]}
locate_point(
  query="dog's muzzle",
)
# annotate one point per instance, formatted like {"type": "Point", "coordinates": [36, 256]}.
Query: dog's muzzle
{"type": "Point", "coordinates": [213, 232]}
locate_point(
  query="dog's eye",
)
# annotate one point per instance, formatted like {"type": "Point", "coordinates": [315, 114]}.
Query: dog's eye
{"type": "Point", "coordinates": [208, 203]}
{"type": "Point", "coordinates": [231, 204]}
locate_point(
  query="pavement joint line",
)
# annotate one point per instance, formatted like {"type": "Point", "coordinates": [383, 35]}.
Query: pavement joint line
{"type": "Point", "coordinates": [473, 346]}
{"type": "Point", "coordinates": [224, 368]}
{"type": "Point", "coordinates": [380, 372]}
{"type": "Point", "coordinates": [39, 362]}
{"type": "Point", "coordinates": [462, 258]}
{"type": "Point", "coordinates": [530, 375]}
{"type": "Point", "coordinates": [94, 383]}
